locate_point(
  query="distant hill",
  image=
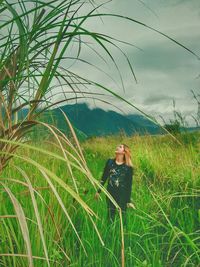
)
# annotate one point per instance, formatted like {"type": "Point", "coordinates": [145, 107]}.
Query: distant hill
{"type": "Point", "coordinates": [97, 122]}
{"type": "Point", "coordinates": [150, 127]}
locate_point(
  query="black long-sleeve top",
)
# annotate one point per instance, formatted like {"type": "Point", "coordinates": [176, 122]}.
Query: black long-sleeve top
{"type": "Point", "coordinates": [119, 179]}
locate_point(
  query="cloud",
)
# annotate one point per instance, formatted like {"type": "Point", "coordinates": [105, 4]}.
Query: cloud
{"type": "Point", "coordinates": [157, 99]}
{"type": "Point", "coordinates": [165, 71]}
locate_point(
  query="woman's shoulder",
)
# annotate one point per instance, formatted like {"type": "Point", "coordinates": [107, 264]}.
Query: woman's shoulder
{"type": "Point", "coordinates": [130, 168]}
{"type": "Point", "coordinates": [109, 161]}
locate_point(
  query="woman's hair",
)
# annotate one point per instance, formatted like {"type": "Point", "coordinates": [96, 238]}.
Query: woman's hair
{"type": "Point", "coordinates": [127, 156]}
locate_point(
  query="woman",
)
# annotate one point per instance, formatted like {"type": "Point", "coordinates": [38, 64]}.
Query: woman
{"type": "Point", "coordinates": [119, 172]}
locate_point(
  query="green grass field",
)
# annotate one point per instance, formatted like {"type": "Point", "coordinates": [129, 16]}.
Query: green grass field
{"type": "Point", "coordinates": [162, 231]}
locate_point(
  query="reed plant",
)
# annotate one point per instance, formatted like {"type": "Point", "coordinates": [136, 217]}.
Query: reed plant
{"type": "Point", "coordinates": [41, 183]}
{"type": "Point", "coordinates": [162, 231]}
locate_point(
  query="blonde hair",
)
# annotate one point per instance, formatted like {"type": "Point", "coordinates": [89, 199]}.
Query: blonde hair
{"type": "Point", "coordinates": [127, 156]}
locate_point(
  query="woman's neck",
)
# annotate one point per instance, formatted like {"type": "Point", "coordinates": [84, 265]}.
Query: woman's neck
{"type": "Point", "coordinates": [119, 159]}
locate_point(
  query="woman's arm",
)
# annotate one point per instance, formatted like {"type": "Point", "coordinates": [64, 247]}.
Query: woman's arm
{"type": "Point", "coordinates": [129, 178]}
{"type": "Point", "coordinates": [105, 174]}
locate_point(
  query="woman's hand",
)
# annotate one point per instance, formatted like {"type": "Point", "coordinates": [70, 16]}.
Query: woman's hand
{"type": "Point", "coordinates": [97, 196]}
{"type": "Point", "coordinates": [131, 205]}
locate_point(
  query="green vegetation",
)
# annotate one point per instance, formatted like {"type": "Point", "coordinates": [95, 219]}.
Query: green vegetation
{"type": "Point", "coordinates": [47, 208]}
{"type": "Point", "coordinates": [162, 231]}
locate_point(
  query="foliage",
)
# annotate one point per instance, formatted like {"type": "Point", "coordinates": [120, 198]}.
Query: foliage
{"type": "Point", "coordinates": [163, 230]}
{"type": "Point", "coordinates": [36, 39]}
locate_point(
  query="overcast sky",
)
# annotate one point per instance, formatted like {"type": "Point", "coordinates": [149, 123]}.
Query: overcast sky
{"type": "Point", "coordinates": [164, 70]}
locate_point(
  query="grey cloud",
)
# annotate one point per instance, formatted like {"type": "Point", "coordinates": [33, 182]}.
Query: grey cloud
{"type": "Point", "coordinates": [154, 99]}
{"type": "Point", "coordinates": [165, 71]}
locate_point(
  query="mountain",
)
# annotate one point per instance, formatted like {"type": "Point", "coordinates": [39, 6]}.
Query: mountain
{"type": "Point", "coordinates": [97, 122]}
{"type": "Point", "coordinates": [150, 127]}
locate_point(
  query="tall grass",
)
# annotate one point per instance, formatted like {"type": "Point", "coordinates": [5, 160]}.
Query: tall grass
{"type": "Point", "coordinates": [162, 231]}
{"type": "Point", "coordinates": [36, 38]}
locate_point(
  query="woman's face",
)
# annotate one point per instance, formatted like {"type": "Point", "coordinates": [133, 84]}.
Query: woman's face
{"type": "Point", "coordinates": [120, 149]}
